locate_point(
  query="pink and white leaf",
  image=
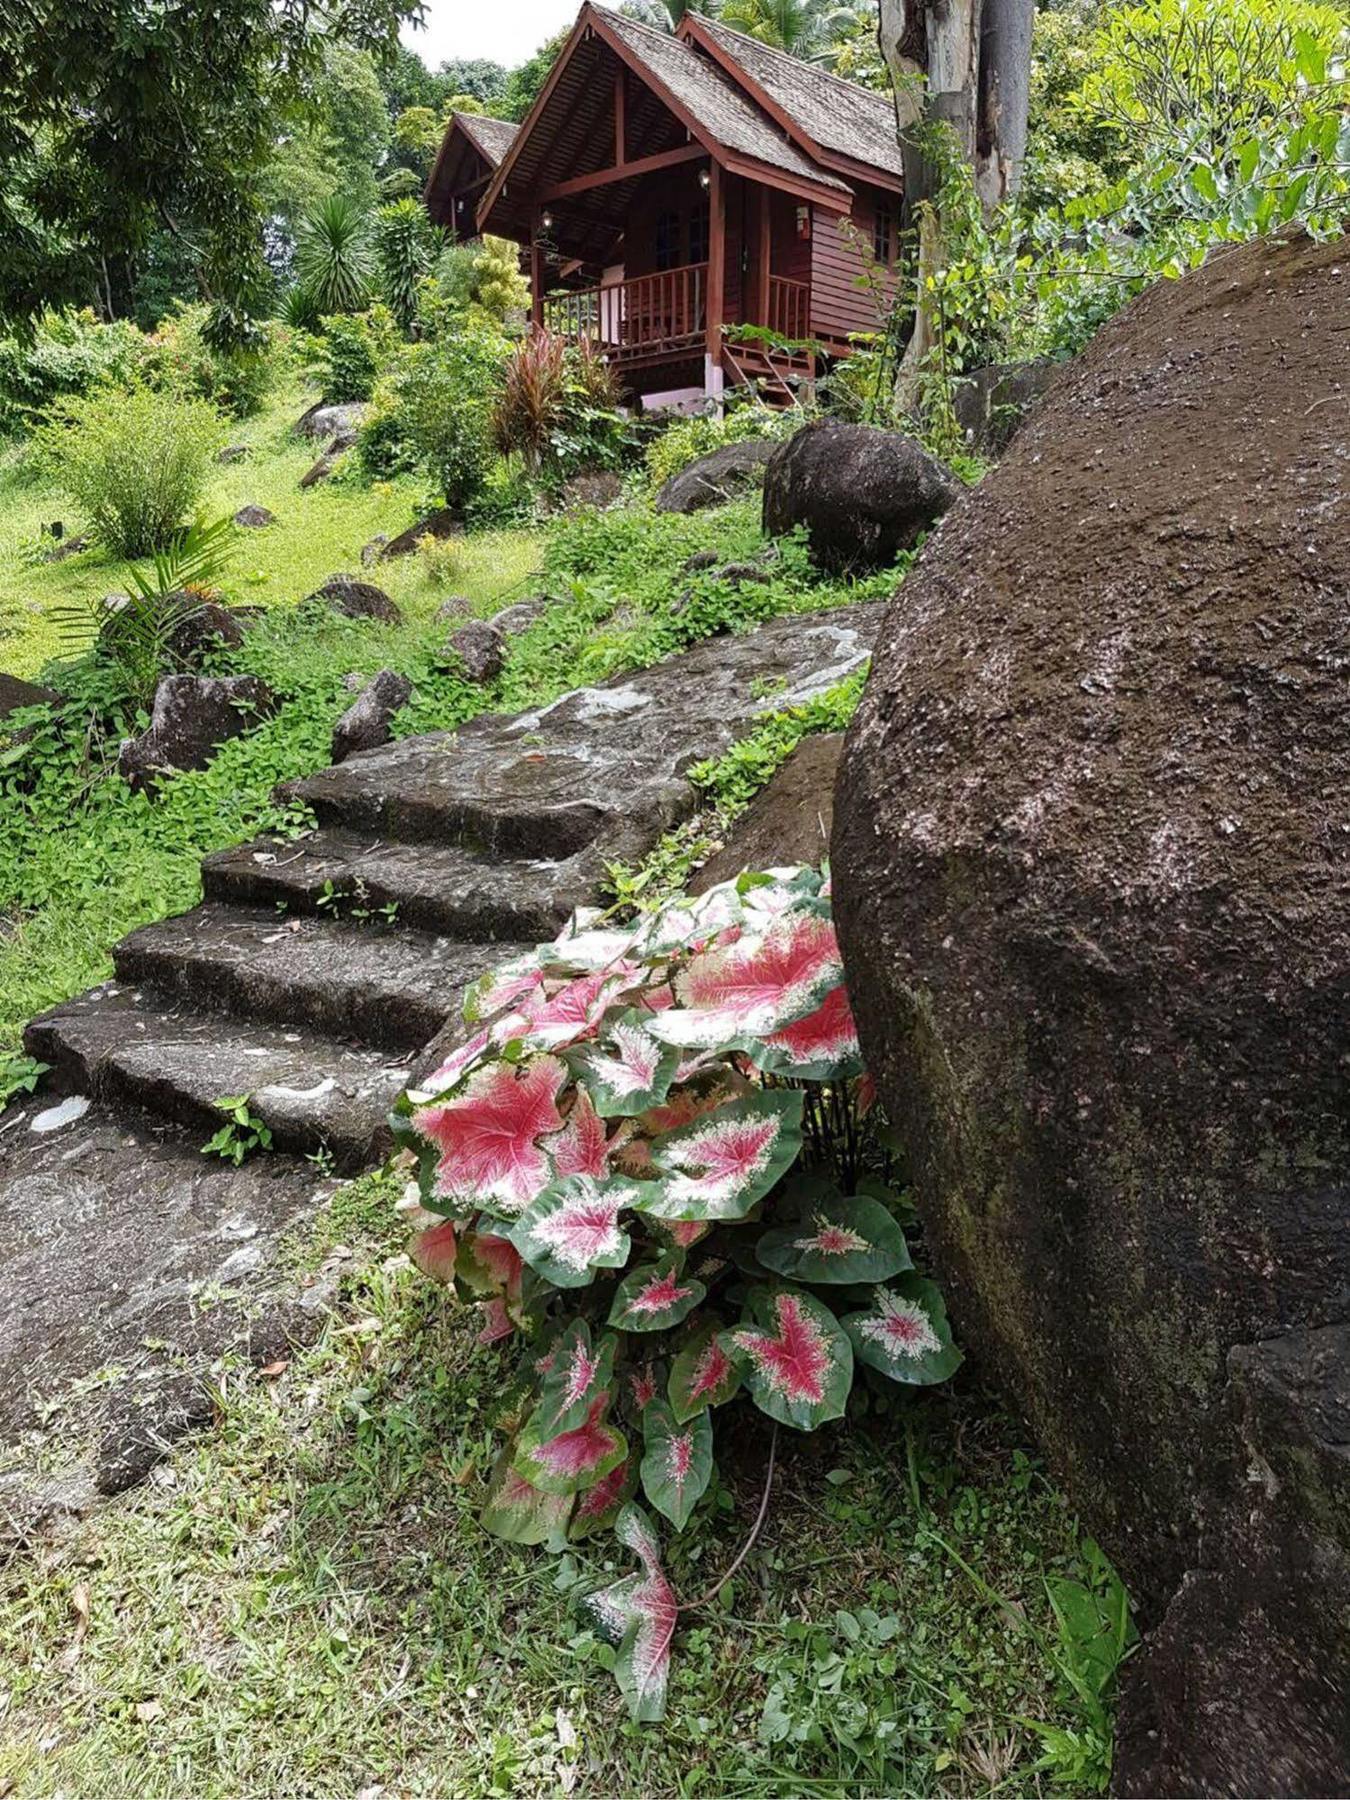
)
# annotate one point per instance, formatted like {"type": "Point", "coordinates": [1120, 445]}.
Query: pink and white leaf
{"type": "Point", "coordinates": [488, 1134]}
{"type": "Point", "coordinates": [798, 1360]}
{"type": "Point", "coordinates": [655, 1297]}
{"type": "Point", "coordinates": [572, 1459]}
{"type": "Point", "coordinates": [640, 1612]}
{"type": "Point", "coordinates": [573, 1229]}
{"type": "Point", "coordinates": [677, 1463]}
{"type": "Point", "coordinates": [718, 1167]}
{"type": "Point", "coordinates": [754, 986]}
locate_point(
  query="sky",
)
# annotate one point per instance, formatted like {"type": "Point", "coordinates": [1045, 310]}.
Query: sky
{"type": "Point", "coordinates": [506, 31]}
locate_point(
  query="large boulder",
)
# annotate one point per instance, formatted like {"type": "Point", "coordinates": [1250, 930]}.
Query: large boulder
{"type": "Point", "coordinates": [991, 403]}
{"type": "Point", "coordinates": [863, 495]}
{"type": "Point", "coordinates": [356, 599]}
{"type": "Point", "coordinates": [191, 717]}
{"type": "Point", "coordinates": [1090, 862]}
{"type": "Point", "coordinates": [15, 694]}
{"type": "Point", "coordinates": [788, 821]}
{"type": "Point", "coordinates": [717, 477]}
{"type": "Point", "coordinates": [325, 421]}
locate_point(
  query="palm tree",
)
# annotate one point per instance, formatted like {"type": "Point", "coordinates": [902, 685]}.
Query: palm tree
{"type": "Point", "coordinates": [800, 27]}
{"type": "Point", "coordinates": [662, 15]}
{"type": "Point", "coordinates": [333, 259]}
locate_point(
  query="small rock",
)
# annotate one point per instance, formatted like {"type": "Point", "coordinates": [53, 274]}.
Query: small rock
{"type": "Point", "coordinates": [719, 476]}
{"type": "Point", "coordinates": [254, 517]}
{"type": "Point", "coordinates": [701, 559]}
{"type": "Point", "coordinates": [374, 550]}
{"type": "Point", "coordinates": [324, 421]}
{"type": "Point", "coordinates": [595, 487]}
{"type": "Point", "coordinates": [16, 693]}
{"type": "Point", "coordinates": [454, 607]}
{"type": "Point", "coordinates": [788, 821]}
{"type": "Point", "coordinates": [232, 453]}
{"type": "Point", "coordinates": [67, 547]}
{"type": "Point", "coordinates": [112, 603]}
{"type": "Point", "coordinates": [192, 714]}
{"type": "Point", "coordinates": [514, 619]}
{"type": "Point", "coordinates": [354, 681]}
{"type": "Point", "coordinates": [439, 524]}
{"type": "Point", "coordinates": [368, 722]}
{"type": "Point", "coordinates": [736, 574]}
{"type": "Point", "coordinates": [481, 648]}
{"type": "Point", "coordinates": [357, 599]}
{"type": "Point", "coordinates": [206, 628]}
{"type": "Point", "coordinates": [323, 468]}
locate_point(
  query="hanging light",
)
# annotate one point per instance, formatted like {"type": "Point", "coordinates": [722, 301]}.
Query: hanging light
{"type": "Point", "coordinates": [705, 178]}
{"type": "Point", "coordinates": [546, 220]}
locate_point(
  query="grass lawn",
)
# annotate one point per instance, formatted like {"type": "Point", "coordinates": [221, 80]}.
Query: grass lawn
{"type": "Point", "coordinates": [317, 532]}
{"type": "Point", "coordinates": [304, 1604]}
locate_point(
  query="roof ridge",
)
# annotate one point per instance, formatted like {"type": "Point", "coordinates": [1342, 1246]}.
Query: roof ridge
{"type": "Point", "coordinates": [786, 56]}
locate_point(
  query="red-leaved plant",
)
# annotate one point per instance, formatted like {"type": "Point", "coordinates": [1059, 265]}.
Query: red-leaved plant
{"type": "Point", "coordinates": [647, 1159]}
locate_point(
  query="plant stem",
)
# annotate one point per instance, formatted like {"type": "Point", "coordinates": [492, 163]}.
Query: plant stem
{"type": "Point", "coordinates": [748, 1545]}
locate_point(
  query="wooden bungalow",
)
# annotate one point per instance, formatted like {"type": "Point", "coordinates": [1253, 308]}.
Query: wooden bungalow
{"type": "Point", "coordinates": [470, 155]}
{"type": "Point", "coordinates": [668, 189]}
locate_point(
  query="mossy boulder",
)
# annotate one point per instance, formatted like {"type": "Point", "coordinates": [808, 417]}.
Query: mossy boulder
{"type": "Point", "coordinates": [1092, 880]}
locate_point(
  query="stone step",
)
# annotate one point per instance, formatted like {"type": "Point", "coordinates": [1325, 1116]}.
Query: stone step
{"type": "Point", "coordinates": [436, 887]}
{"type": "Point", "coordinates": [391, 989]}
{"type": "Point", "coordinates": [126, 1047]}
{"type": "Point", "coordinates": [603, 767]}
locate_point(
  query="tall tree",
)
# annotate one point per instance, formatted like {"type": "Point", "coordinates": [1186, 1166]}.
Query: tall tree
{"type": "Point", "coordinates": [119, 119]}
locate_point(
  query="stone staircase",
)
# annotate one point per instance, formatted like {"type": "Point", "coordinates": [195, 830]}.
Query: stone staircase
{"type": "Point", "coordinates": [317, 972]}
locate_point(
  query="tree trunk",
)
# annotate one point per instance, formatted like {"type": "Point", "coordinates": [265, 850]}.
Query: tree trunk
{"type": "Point", "coordinates": [1002, 99]}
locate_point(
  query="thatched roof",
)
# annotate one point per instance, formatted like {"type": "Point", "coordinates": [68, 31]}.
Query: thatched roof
{"type": "Point", "coordinates": [713, 100]}
{"type": "Point", "coordinates": [831, 113]}
{"type": "Point", "coordinates": [492, 137]}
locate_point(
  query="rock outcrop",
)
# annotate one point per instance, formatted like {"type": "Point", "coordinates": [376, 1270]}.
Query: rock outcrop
{"type": "Point", "coordinates": [863, 495]}
{"type": "Point", "coordinates": [15, 694]}
{"type": "Point", "coordinates": [788, 821]}
{"type": "Point", "coordinates": [992, 403]}
{"type": "Point", "coordinates": [717, 477]}
{"type": "Point", "coordinates": [192, 715]}
{"type": "Point", "coordinates": [1091, 878]}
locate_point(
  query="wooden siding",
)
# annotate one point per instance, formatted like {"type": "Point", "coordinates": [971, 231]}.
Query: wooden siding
{"type": "Point", "coordinates": [839, 305]}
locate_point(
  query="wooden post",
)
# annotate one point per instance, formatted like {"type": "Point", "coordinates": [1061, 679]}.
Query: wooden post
{"type": "Point", "coordinates": [765, 258]}
{"type": "Point", "coordinates": [717, 270]}
{"type": "Point", "coordinates": [536, 276]}
{"type": "Point", "coordinates": [620, 123]}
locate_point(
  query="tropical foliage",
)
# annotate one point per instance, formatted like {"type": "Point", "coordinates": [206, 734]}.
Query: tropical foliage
{"type": "Point", "coordinates": [648, 1159]}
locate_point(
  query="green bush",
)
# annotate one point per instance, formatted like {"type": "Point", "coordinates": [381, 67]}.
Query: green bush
{"type": "Point", "coordinates": [686, 441]}
{"type": "Point", "coordinates": [433, 413]}
{"type": "Point", "coordinates": [134, 460]}
{"type": "Point", "coordinates": [353, 352]}
{"type": "Point", "coordinates": [69, 354]}
{"type": "Point", "coordinates": [184, 362]}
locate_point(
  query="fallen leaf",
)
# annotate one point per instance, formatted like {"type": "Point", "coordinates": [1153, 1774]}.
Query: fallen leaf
{"type": "Point", "coordinates": [147, 1711]}
{"type": "Point", "coordinates": [275, 1368]}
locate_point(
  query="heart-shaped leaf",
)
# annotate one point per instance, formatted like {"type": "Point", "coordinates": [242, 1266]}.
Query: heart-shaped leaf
{"type": "Point", "coordinates": [519, 1512]}
{"type": "Point", "coordinates": [572, 1229]}
{"type": "Point", "coordinates": [759, 984]}
{"type": "Point", "coordinates": [655, 1297]}
{"type": "Point", "coordinates": [488, 1134]}
{"type": "Point", "coordinates": [598, 1507]}
{"type": "Point", "coordinates": [719, 1166]}
{"type": "Point", "coordinates": [628, 1071]}
{"type": "Point", "coordinates": [798, 1362]}
{"type": "Point", "coordinates": [677, 1464]}
{"type": "Point", "coordinates": [572, 1459]}
{"type": "Point", "coordinates": [702, 1375]}
{"type": "Point", "coordinates": [639, 1614]}
{"type": "Point", "coordinates": [821, 1047]}
{"type": "Point", "coordinates": [905, 1333]}
{"type": "Point", "coordinates": [839, 1240]}
{"type": "Point", "coordinates": [574, 1375]}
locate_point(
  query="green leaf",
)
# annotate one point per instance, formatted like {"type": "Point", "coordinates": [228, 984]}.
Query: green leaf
{"type": "Point", "coordinates": [572, 1229]}
{"type": "Point", "coordinates": [574, 1375]}
{"type": "Point", "coordinates": [702, 1375]}
{"type": "Point", "coordinates": [797, 1361]}
{"type": "Point", "coordinates": [1310, 57]}
{"type": "Point", "coordinates": [719, 1166]}
{"type": "Point", "coordinates": [1204, 182]}
{"type": "Point", "coordinates": [841, 1240]}
{"type": "Point", "coordinates": [519, 1512]}
{"type": "Point", "coordinates": [677, 1464]}
{"type": "Point", "coordinates": [655, 1296]}
{"type": "Point", "coordinates": [905, 1334]}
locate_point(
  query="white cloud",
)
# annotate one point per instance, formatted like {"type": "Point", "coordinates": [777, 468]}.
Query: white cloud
{"type": "Point", "coordinates": [507, 31]}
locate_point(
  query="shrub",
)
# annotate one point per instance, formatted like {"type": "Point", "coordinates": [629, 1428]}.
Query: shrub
{"type": "Point", "coordinates": [183, 360]}
{"type": "Point", "coordinates": [407, 244]}
{"type": "Point", "coordinates": [651, 1159]}
{"type": "Point", "coordinates": [689, 439]}
{"type": "Point", "coordinates": [68, 354]}
{"type": "Point", "coordinates": [333, 261]}
{"type": "Point", "coordinates": [558, 407]}
{"type": "Point", "coordinates": [136, 461]}
{"type": "Point", "coordinates": [484, 276]}
{"type": "Point", "coordinates": [354, 350]}
{"type": "Point", "coordinates": [433, 413]}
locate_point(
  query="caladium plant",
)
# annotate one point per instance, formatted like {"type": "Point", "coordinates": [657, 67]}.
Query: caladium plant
{"type": "Point", "coordinates": [629, 1166]}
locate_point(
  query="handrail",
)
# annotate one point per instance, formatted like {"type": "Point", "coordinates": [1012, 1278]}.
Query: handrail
{"type": "Point", "coordinates": [666, 310]}
{"type": "Point", "coordinates": [789, 307]}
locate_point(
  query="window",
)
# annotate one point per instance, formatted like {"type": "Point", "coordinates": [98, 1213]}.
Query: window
{"type": "Point", "coordinates": [667, 240]}
{"type": "Point", "coordinates": [699, 233]}
{"type": "Point", "coordinates": [883, 235]}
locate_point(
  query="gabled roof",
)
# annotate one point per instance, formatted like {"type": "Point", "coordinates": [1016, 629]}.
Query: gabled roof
{"type": "Point", "coordinates": [493, 137]}
{"type": "Point", "coordinates": [824, 112]}
{"type": "Point", "coordinates": [713, 99]}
